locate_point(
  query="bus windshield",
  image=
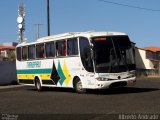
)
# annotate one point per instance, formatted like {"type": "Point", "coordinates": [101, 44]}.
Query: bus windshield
{"type": "Point", "coordinates": [113, 54]}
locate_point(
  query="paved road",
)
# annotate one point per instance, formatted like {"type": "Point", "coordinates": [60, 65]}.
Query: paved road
{"type": "Point", "coordinates": [144, 98]}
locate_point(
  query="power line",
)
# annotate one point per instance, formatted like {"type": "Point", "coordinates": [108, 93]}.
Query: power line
{"type": "Point", "coordinates": [131, 6]}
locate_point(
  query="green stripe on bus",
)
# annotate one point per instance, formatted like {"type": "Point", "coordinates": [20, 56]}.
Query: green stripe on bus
{"type": "Point", "coordinates": [35, 71]}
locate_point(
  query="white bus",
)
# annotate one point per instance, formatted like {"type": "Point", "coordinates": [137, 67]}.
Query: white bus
{"type": "Point", "coordinates": [79, 60]}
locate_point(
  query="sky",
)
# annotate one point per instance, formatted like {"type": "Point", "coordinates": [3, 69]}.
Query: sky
{"type": "Point", "coordinates": [142, 26]}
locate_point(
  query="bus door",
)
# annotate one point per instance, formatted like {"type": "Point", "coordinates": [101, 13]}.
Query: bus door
{"type": "Point", "coordinates": [87, 72]}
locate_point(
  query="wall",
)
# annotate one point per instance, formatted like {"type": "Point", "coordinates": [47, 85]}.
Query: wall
{"type": "Point", "coordinates": [141, 61]}
{"type": "Point", "coordinates": [145, 67]}
{"type": "Point", "coordinates": [8, 72]}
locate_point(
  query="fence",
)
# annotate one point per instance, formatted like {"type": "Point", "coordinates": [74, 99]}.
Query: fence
{"type": "Point", "coordinates": [147, 73]}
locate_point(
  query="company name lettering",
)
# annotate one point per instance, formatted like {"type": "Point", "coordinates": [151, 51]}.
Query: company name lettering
{"type": "Point", "coordinates": [35, 64]}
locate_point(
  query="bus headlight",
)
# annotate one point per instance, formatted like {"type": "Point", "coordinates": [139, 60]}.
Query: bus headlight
{"type": "Point", "coordinates": [132, 75]}
{"type": "Point", "coordinates": [132, 72]}
{"type": "Point", "coordinates": [101, 79]}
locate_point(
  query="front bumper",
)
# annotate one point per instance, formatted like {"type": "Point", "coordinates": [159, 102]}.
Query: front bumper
{"type": "Point", "coordinates": [115, 83]}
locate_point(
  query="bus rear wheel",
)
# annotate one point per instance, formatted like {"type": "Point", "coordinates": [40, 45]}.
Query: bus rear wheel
{"type": "Point", "coordinates": [38, 84]}
{"type": "Point", "coordinates": [78, 86]}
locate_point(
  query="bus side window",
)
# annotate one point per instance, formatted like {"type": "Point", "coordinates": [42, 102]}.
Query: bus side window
{"type": "Point", "coordinates": [18, 53]}
{"type": "Point", "coordinates": [50, 49]}
{"type": "Point", "coordinates": [40, 51]}
{"type": "Point", "coordinates": [72, 46]}
{"type": "Point", "coordinates": [85, 53]}
{"type": "Point", "coordinates": [31, 52]}
{"type": "Point", "coordinates": [61, 48]}
{"type": "Point", "coordinates": [24, 53]}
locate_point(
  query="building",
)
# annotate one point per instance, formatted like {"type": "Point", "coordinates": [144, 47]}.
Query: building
{"type": "Point", "coordinates": [148, 60]}
{"type": "Point", "coordinates": [7, 51]}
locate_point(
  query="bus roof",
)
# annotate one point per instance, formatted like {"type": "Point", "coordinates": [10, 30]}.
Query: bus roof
{"type": "Point", "coordinates": [78, 34]}
{"type": "Point", "coordinates": [73, 34]}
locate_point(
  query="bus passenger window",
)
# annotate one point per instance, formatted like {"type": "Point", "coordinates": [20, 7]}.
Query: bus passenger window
{"type": "Point", "coordinates": [18, 53]}
{"type": "Point", "coordinates": [50, 49]}
{"type": "Point", "coordinates": [72, 46]}
{"type": "Point", "coordinates": [24, 53]}
{"type": "Point", "coordinates": [40, 51]}
{"type": "Point", "coordinates": [31, 52]}
{"type": "Point", "coordinates": [61, 48]}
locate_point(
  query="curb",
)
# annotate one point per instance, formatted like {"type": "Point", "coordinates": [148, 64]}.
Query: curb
{"type": "Point", "coordinates": [10, 86]}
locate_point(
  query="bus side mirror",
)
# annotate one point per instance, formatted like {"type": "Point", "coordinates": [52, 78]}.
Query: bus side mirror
{"type": "Point", "coordinates": [92, 52]}
{"type": "Point", "coordinates": [93, 57]}
{"type": "Point", "coordinates": [91, 46]}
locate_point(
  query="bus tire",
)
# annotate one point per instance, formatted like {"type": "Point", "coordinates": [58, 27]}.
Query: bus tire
{"type": "Point", "coordinates": [78, 86]}
{"type": "Point", "coordinates": [38, 84]}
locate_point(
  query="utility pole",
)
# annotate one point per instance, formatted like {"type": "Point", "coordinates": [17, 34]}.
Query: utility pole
{"type": "Point", "coordinates": [48, 17]}
{"type": "Point", "coordinates": [37, 33]}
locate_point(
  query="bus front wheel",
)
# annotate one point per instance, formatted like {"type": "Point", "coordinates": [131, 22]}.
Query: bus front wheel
{"type": "Point", "coordinates": [38, 84]}
{"type": "Point", "coordinates": [78, 86]}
